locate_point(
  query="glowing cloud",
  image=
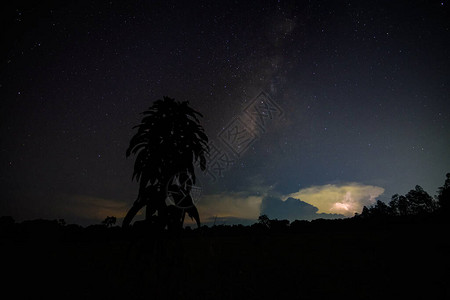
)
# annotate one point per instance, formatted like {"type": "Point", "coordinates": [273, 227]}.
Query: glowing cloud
{"type": "Point", "coordinates": [341, 199]}
{"type": "Point", "coordinates": [230, 205]}
{"type": "Point", "coordinates": [95, 208]}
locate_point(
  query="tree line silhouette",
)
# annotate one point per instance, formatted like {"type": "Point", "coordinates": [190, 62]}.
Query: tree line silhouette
{"type": "Point", "coordinates": [416, 207]}
{"type": "Point", "coordinates": [416, 203]}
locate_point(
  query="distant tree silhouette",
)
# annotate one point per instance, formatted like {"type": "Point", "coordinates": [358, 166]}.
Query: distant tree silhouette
{"type": "Point", "coordinates": [264, 221]}
{"type": "Point", "coordinates": [419, 201]}
{"type": "Point", "coordinates": [169, 141]}
{"type": "Point", "coordinates": [380, 210]}
{"type": "Point", "coordinates": [273, 224]}
{"type": "Point", "coordinates": [443, 196]}
{"type": "Point", "coordinates": [415, 202]}
{"type": "Point", "coordinates": [279, 225]}
{"type": "Point", "coordinates": [109, 221]}
{"type": "Point", "coordinates": [365, 213]}
{"type": "Point", "coordinates": [298, 224]}
{"type": "Point", "coordinates": [399, 205]}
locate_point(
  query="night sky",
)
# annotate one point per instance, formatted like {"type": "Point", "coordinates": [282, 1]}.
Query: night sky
{"type": "Point", "coordinates": [358, 95]}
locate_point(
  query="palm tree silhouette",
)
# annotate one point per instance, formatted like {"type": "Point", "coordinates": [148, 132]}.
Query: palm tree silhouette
{"type": "Point", "coordinates": [169, 141]}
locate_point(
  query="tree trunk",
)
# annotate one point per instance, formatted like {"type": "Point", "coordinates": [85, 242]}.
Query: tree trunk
{"type": "Point", "coordinates": [137, 205]}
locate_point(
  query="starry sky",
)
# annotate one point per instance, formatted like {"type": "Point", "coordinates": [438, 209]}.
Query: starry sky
{"type": "Point", "coordinates": [358, 94]}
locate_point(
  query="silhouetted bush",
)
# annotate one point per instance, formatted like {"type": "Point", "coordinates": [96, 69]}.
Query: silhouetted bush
{"type": "Point", "coordinates": [109, 221]}
{"type": "Point", "coordinates": [279, 225]}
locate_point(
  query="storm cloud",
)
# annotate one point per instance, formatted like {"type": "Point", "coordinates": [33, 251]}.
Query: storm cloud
{"type": "Point", "coordinates": [346, 199]}
{"type": "Point", "coordinates": [292, 209]}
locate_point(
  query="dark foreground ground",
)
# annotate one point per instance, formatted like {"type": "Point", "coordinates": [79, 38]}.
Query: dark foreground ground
{"type": "Point", "coordinates": [396, 261]}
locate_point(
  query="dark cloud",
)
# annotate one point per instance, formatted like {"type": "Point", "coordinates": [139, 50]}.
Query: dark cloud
{"type": "Point", "coordinates": [292, 209]}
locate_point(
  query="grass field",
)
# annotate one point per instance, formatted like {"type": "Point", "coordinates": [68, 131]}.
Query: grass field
{"type": "Point", "coordinates": [393, 262]}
